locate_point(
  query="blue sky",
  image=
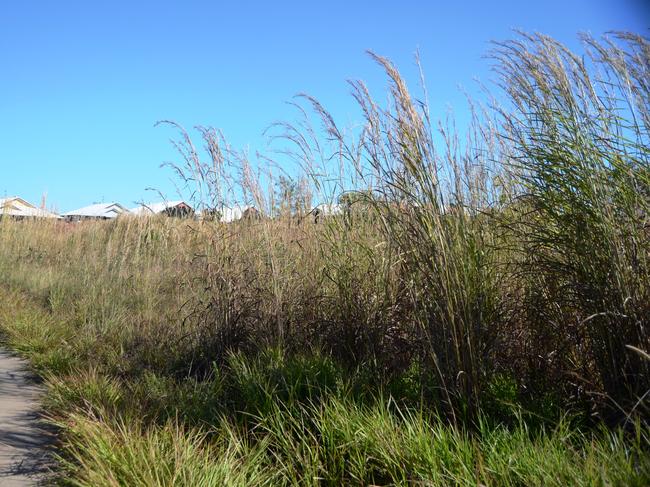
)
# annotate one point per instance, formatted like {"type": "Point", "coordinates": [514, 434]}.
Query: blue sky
{"type": "Point", "coordinates": [82, 83]}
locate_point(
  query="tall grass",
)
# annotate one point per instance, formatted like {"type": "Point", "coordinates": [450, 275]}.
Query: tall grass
{"type": "Point", "coordinates": [478, 305]}
{"type": "Point", "coordinates": [582, 156]}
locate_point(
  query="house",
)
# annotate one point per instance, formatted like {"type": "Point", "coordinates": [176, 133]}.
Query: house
{"type": "Point", "coordinates": [168, 208]}
{"type": "Point", "coordinates": [251, 213]}
{"type": "Point", "coordinates": [18, 208]}
{"type": "Point", "coordinates": [226, 214]}
{"type": "Point", "coordinates": [98, 211]}
{"type": "Point", "coordinates": [231, 214]}
{"type": "Point", "coordinates": [326, 210]}
{"type": "Point", "coordinates": [330, 209]}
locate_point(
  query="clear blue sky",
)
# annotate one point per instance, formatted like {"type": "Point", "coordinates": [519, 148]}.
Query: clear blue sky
{"type": "Point", "coordinates": [81, 84]}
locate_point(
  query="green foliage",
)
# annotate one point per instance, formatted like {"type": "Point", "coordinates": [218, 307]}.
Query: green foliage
{"type": "Point", "coordinates": [582, 155]}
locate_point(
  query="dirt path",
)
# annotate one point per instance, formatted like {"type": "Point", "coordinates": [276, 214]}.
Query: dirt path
{"type": "Point", "coordinates": [24, 439]}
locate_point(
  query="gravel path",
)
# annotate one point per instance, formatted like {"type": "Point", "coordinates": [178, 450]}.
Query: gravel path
{"type": "Point", "coordinates": [24, 438]}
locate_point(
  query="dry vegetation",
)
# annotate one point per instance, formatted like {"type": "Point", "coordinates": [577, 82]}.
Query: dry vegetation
{"type": "Point", "coordinates": [479, 313]}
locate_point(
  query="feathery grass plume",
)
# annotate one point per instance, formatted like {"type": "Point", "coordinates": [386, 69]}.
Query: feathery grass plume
{"type": "Point", "coordinates": [428, 203]}
{"type": "Point", "coordinates": [579, 127]}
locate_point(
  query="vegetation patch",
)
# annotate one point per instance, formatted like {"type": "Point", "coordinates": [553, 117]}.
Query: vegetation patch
{"type": "Point", "coordinates": [475, 314]}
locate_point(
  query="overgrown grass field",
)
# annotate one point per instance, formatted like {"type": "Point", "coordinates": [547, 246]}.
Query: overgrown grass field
{"type": "Point", "coordinates": [478, 313]}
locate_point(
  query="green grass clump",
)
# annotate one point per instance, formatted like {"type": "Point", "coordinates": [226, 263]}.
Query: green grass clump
{"type": "Point", "coordinates": [342, 443]}
{"type": "Point", "coordinates": [279, 419]}
{"type": "Point", "coordinates": [119, 454]}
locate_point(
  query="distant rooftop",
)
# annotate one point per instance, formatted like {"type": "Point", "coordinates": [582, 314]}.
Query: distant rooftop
{"type": "Point", "coordinates": [156, 208]}
{"type": "Point", "coordinates": [98, 210]}
{"type": "Point", "coordinates": [18, 207]}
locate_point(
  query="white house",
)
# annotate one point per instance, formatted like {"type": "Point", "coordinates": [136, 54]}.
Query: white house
{"type": "Point", "coordinates": [328, 209]}
{"type": "Point", "coordinates": [16, 207]}
{"type": "Point", "coordinates": [169, 208]}
{"type": "Point", "coordinates": [229, 214]}
{"type": "Point", "coordinates": [98, 211]}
